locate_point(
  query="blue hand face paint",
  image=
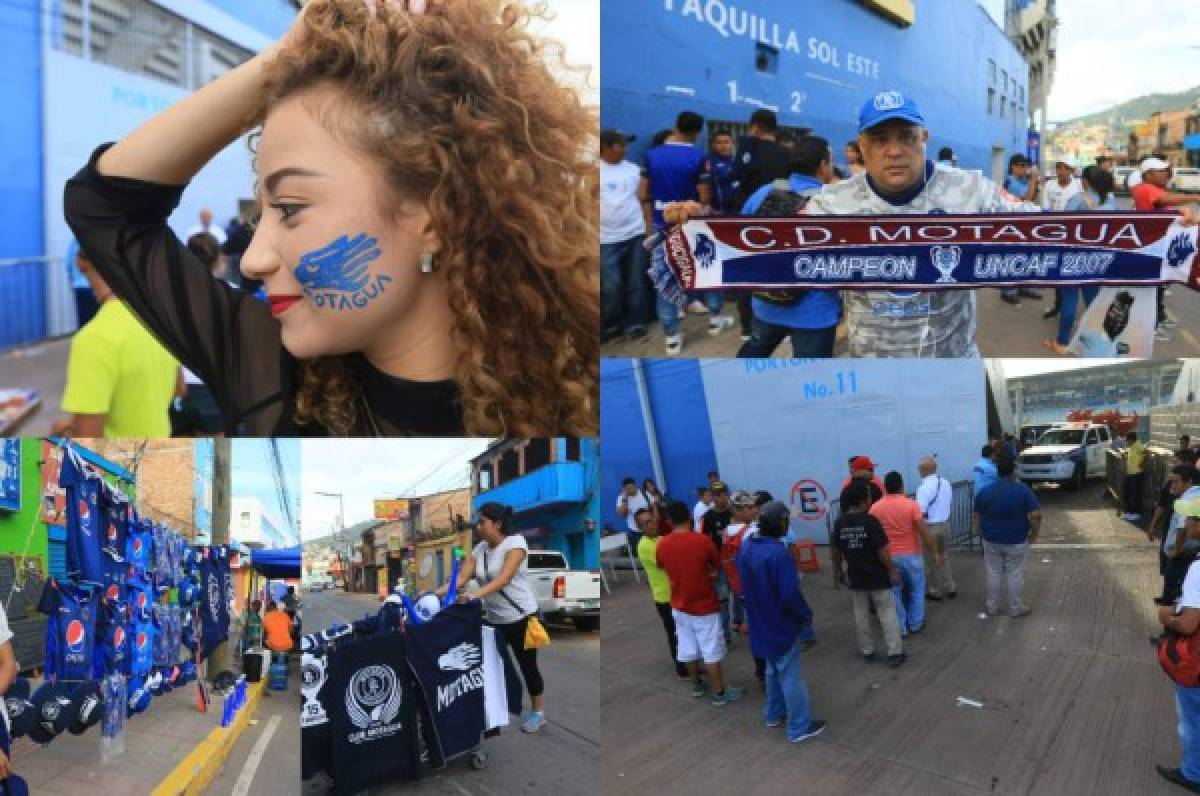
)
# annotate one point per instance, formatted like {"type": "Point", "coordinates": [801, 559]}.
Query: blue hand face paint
{"type": "Point", "coordinates": [337, 275]}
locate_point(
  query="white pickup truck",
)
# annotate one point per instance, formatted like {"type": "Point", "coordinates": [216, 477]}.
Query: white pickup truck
{"type": "Point", "coordinates": [563, 593]}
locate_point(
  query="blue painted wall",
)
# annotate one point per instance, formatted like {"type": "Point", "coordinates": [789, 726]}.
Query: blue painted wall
{"type": "Point", "coordinates": [272, 17]}
{"type": "Point", "coordinates": [679, 405]}
{"type": "Point", "coordinates": [21, 215]}
{"type": "Point", "coordinates": [567, 521]}
{"type": "Point", "coordinates": [20, 132]}
{"type": "Point", "coordinates": [664, 56]}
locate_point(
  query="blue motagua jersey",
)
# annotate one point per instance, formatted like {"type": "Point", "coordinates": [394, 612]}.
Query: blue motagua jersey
{"type": "Point", "coordinates": [144, 637]}
{"type": "Point", "coordinates": [114, 642]}
{"type": "Point", "coordinates": [70, 631]}
{"type": "Point", "coordinates": [84, 519]}
{"type": "Point", "coordinates": [139, 544]}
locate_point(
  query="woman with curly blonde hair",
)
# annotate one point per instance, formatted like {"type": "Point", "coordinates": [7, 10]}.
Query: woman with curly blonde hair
{"type": "Point", "coordinates": [429, 237]}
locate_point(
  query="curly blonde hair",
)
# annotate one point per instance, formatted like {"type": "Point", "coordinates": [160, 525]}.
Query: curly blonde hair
{"type": "Point", "coordinates": [459, 107]}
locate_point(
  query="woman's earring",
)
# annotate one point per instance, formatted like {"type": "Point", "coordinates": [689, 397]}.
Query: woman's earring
{"type": "Point", "coordinates": [427, 265]}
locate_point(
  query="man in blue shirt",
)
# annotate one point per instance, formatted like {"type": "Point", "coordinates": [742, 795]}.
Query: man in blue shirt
{"type": "Point", "coordinates": [677, 171]}
{"type": "Point", "coordinates": [776, 611]}
{"type": "Point", "coordinates": [1008, 514]}
{"type": "Point", "coordinates": [1021, 182]}
{"type": "Point", "coordinates": [984, 472]}
{"type": "Point", "coordinates": [809, 317]}
{"type": "Point", "coordinates": [724, 187]}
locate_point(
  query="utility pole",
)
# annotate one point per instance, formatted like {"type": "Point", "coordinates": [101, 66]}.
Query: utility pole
{"type": "Point", "coordinates": [222, 492]}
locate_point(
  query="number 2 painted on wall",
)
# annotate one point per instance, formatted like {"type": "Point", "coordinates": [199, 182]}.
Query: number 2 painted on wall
{"type": "Point", "coordinates": [798, 98]}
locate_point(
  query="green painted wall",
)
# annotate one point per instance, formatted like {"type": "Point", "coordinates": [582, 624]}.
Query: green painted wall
{"type": "Point", "coordinates": [15, 536]}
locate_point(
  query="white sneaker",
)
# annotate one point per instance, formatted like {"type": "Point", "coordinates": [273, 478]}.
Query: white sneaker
{"type": "Point", "coordinates": [674, 344]}
{"type": "Point", "coordinates": [720, 323]}
{"type": "Point", "coordinates": [698, 308]}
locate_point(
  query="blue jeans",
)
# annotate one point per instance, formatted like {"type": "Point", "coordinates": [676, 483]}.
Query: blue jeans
{"type": "Point", "coordinates": [622, 286]}
{"type": "Point", "coordinates": [806, 343]}
{"type": "Point", "coordinates": [1187, 702]}
{"type": "Point", "coordinates": [1068, 305]}
{"type": "Point", "coordinates": [668, 313]}
{"type": "Point", "coordinates": [787, 695]}
{"type": "Point", "coordinates": [910, 594]}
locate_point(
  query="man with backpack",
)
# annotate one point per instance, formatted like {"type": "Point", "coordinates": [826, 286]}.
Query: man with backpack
{"type": "Point", "coordinates": [1179, 656]}
{"type": "Point", "coordinates": [744, 512]}
{"type": "Point", "coordinates": [809, 317]}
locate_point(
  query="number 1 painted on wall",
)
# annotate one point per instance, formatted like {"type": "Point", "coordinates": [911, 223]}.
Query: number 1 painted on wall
{"type": "Point", "coordinates": [842, 380]}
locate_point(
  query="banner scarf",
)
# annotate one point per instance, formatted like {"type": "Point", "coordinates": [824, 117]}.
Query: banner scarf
{"type": "Point", "coordinates": [925, 252]}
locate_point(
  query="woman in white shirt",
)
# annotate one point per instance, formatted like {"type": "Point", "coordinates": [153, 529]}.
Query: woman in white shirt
{"type": "Point", "coordinates": [498, 563]}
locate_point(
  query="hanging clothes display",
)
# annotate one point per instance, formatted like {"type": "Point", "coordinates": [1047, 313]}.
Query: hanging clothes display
{"type": "Point", "coordinates": [113, 634]}
{"type": "Point", "coordinates": [372, 709]}
{"type": "Point", "coordinates": [315, 752]}
{"type": "Point", "coordinates": [70, 631]}
{"type": "Point", "coordinates": [214, 613]}
{"type": "Point", "coordinates": [446, 656]}
{"type": "Point", "coordinates": [139, 544]}
{"type": "Point", "coordinates": [83, 486]}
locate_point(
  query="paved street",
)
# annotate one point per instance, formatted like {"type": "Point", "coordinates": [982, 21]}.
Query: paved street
{"type": "Point", "coordinates": [564, 758]}
{"type": "Point", "coordinates": [266, 759]}
{"type": "Point", "coordinates": [1073, 700]}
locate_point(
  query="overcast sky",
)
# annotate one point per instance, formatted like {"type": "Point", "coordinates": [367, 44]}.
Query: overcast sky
{"type": "Point", "coordinates": [253, 474]}
{"type": "Point", "coordinates": [576, 24]}
{"type": "Point", "coordinates": [364, 470]}
{"type": "Point", "coordinates": [1110, 51]}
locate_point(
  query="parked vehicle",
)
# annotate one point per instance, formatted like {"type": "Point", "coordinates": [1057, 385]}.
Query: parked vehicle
{"type": "Point", "coordinates": [317, 583]}
{"type": "Point", "coordinates": [564, 593]}
{"type": "Point", "coordinates": [1031, 432]}
{"type": "Point", "coordinates": [1069, 454]}
{"type": "Point", "coordinates": [1185, 180]}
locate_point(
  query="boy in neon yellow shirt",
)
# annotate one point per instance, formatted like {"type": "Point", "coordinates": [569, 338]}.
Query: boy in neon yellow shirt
{"type": "Point", "coordinates": [660, 585]}
{"type": "Point", "coordinates": [120, 380]}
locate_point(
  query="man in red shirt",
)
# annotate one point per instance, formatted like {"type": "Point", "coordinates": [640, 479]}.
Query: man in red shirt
{"type": "Point", "coordinates": [1152, 194]}
{"type": "Point", "coordinates": [691, 562]}
{"type": "Point", "coordinates": [905, 527]}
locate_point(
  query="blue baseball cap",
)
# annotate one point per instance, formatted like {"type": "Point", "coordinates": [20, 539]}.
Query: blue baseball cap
{"type": "Point", "coordinates": [888, 105]}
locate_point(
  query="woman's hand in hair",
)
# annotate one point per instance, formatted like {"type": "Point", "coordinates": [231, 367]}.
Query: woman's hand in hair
{"type": "Point", "coordinates": [411, 6]}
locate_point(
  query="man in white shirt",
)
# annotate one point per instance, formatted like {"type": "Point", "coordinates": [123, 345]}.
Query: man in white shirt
{"type": "Point", "coordinates": [935, 496]}
{"type": "Point", "coordinates": [206, 225]}
{"type": "Point", "coordinates": [628, 502]}
{"type": "Point", "coordinates": [702, 506]}
{"type": "Point", "coordinates": [1061, 188]}
{"type": "Point", "coordinates": [623, 294]}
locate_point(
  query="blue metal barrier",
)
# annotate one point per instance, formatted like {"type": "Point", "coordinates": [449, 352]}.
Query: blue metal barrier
{"type": "Point", "coordinates": [22, 301]}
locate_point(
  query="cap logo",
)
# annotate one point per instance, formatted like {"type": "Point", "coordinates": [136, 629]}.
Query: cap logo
{"type": "Point", "coordinates": [888, 100]}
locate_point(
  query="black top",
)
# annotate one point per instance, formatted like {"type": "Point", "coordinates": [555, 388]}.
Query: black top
{"type": "Point", "coordinates": [860, 536]}
{"type": "Point", "coordinates": [225, 336]}
{"type": "Point", "coordinates": [1166, 500]}
{"type": "Point", "coordinates": [714, 523]}
{"type": "Point", "coordinates": [758, 162]}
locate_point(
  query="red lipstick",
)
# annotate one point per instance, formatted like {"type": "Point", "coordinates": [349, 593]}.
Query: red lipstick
{"type": "Point", "coordinates": [281, 304]}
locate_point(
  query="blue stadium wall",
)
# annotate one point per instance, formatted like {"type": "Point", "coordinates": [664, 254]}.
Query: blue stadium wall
{"type": "Point", "coordinates": [785, 425]}
{"type": "Point", "coordinates": [661, 57]}
{"type": "Point", "coordinates": [21, 154]}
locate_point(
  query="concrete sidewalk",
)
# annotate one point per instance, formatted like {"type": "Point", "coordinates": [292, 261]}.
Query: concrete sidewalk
{"type": "Point", "coordinates": [265, 760]}
{"type": "Point", "coordinates": [156, 741]}
{"type": "Point", "coordinates": [1074, 701]}
{"type": "Point", "coordinates": [42, 367]}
